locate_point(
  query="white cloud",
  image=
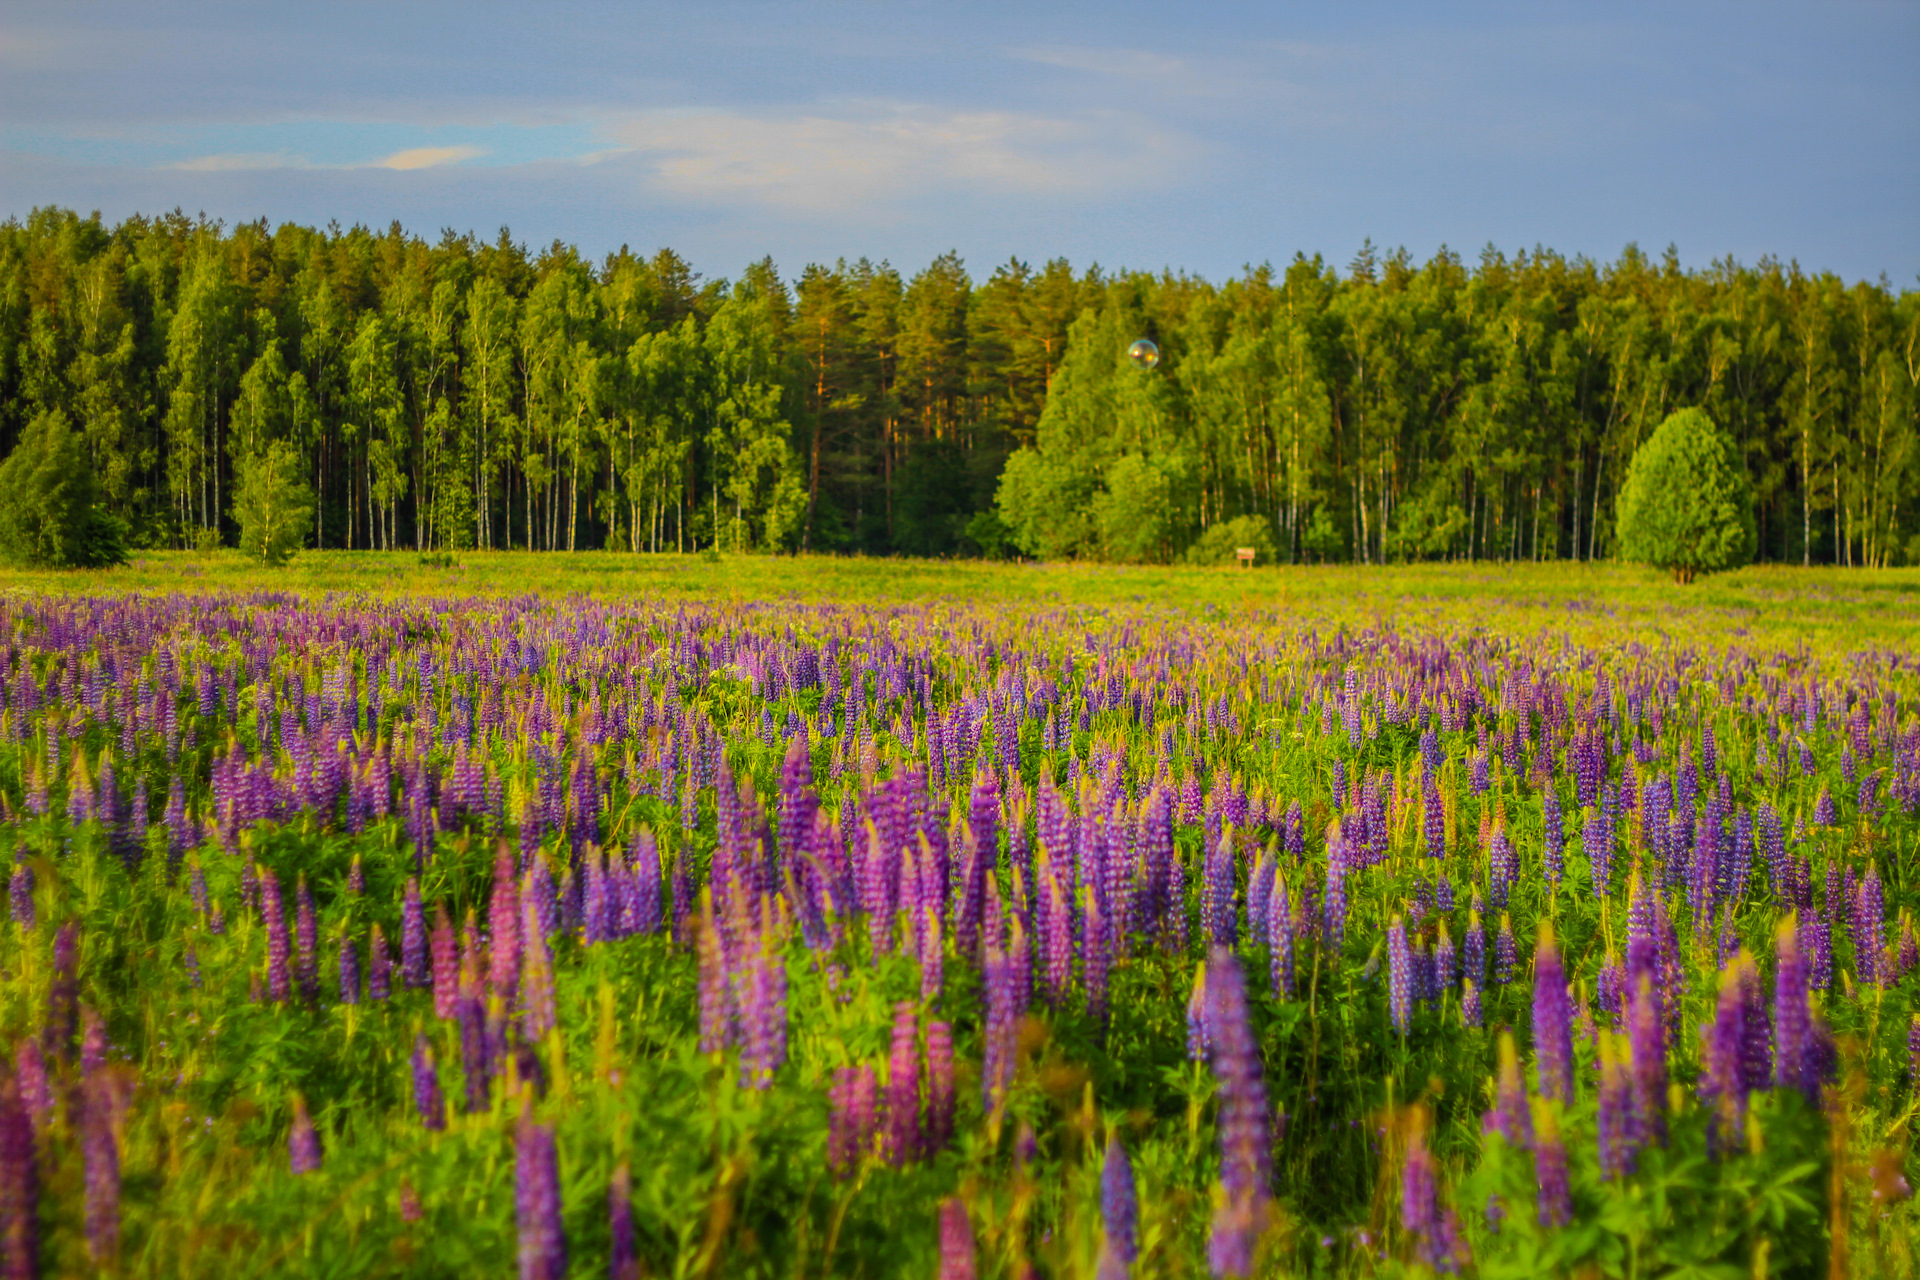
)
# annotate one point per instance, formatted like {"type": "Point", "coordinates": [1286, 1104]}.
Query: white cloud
{"type": "Point", "coordinates": [428, 157]}
{"type": "Point", "coordinates": [879, 153]}
{"type": "Point", "coordinates": [232, 161]}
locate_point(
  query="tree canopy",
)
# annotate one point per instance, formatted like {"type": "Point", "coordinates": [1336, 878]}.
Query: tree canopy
{"type": "Point", "coordinates": [473, 393]}
{"type": "Point", "coordinates": [1686, 505]}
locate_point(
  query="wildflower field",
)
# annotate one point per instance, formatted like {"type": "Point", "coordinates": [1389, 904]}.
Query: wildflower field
{"type": "Point", "coordinates": [626, 916]}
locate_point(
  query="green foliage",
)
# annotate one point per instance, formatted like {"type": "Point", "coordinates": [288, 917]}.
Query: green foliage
{"type": "Point", "coordinates": [49, 516]}
{"type": "Point", "coordinates": [462, 393]}
{"type": "Point", "coordinates": [1221, 543]}
{"type": "Point", "coordinates": [1687, 506]}
{"type": "Point", "coordinates": [273, 504]}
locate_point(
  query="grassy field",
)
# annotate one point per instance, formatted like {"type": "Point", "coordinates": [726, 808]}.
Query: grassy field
{"type": "Point", "coordinates": [1827, 611]}
{"type": "Point", "coordinates": [676, 916]}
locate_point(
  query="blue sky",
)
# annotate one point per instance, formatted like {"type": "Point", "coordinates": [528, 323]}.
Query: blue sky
{"type": "Point", "coordinates": [1199, 137]}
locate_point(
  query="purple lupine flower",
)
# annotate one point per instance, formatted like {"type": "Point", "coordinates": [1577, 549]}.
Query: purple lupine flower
{"type": "Point", "coordinates": [1399, 976]}
{"type": "Point", "coordinates": [349, 970]}
{"type": "Point", "coordinates": [536, 975]}
{"type": "Point", "coordinates": [1723, 1077]}
{"type": "Point", "coordinates": [1216, 894]}
{"type": "Point", "coordinates": [1503, 867]}
{"type": "Point", "coordinates": [379, 967]}
{"type": "Point", "coordinates": [1434, 817]}
{"type": "Point", "coordinates": [101, 1152]}
{"type": "Point", "coordinates": [1245, 1152]}
{"type": "Point", "coordinates": [1552, 1022]}
{"type": "Point", "coordinates": [306, 942]}
{"type": "Point", "coordinates": [428, 1100]}
{"type": "Point", "coordinates": [1471, 1013]}
{"type": "Point", "coordinates": [303, 1142]}
{"type": "Point", "coordinates": [414, 971]}
{"type": "Point", "coordinates": [716, 1011]}
{"type": "Point", "coordinates": [1506, 953]}
{"type": "Point", "coordinates": [1553, 835]}
{"type": "Point", "coordinates": [1334, 930]}
{"type": "Point", "coordinates": [1512, 1116]}
{"type": "Point", "coordinates": [445, 973]}
{"type": "Point", "coordinates": [1433, 1227]}
{"type": "Point", "coordinates": [536, 1202]}
{"type": "Point", "coordinates": [1619, 1135]}
{"type": "Point", "coordinates": [1096, 958]}
{"type": "Point", "coordinates": [623, 1262]}
{"type": "Point", "coordinates": [1119, 1214]}
{"type": "Point", "coordinates": [1913, 1053]}
{"type": "Point", "coordinates": [903, 1090]}
{"type": "Point", "coordinates": [763, 1019]}
{"type": "Point", "coordinates": [1869, 928]}
{"type": "Point", "coordinates": [1280, 939]}
{"type": "Point", "coordinates": [940, 1085]}
{"type": "Point", "coordinates": [956, 1241]}
{"type": "Point", "coordinates": [1473, 949]}
{"type": "Point", "coordinates": [1646, 1039]}
{"type": "Point", "coordinates": [279, 974]}
{"type": "Point", "coordinates": [476, 1063]}
{"type": "Point", "coordinates": [20, 895]}
{"type": "Point", "coordinates": [503, 928]}
{"type": "Point", "coordinates": [1823, 811]}
{"type": "Point", "coordinates": [19, 1187]}
{"type": "Point", "coordinates": [1796, 1041]}
{"type": "Point", "coordinates": [30, 1076]}
{"type": "Point", "coordinates": [1555, 1204]}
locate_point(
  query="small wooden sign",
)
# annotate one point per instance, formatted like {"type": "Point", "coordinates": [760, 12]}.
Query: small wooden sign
{"type": "Point", "coordinates": [1245, 555]}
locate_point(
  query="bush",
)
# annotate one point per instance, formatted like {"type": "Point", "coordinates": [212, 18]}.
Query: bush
{"type": "Point", "coordinates": [49, 515]}
{"type": "Point", "coordinates": [1221, 543]}
{"type": "Point", "coordinates": [273, 504]}
{"type": "Point", "coordinates": [1687, 506]}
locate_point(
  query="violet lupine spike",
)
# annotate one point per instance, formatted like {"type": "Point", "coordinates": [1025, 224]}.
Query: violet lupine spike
{"type": "Point", "coordinates": [716, 1012]}
{"type": "Point", "coordinates": [19, 1187]}
{"type": "Point", "coordinates": [940, 1085]}
{"type": "Point", "coordinates": [536, 1202]}
{"type": "Point", "coordinates": [279, 971]}
{"type": "Point", "coordinates": [1399, 977]}
{"type": "Point", "coordinates": [1245, 1142]}
{"type": "Point", "coordinates": [763, 1019]}
{"type": "Point", "coordinates": [20, 896]}
{"type": "Point", "coordinates": [1280, 940]}
{"type": "Point", "coordinates": [623, 1262]}
{"type": "Point", "coordinates": [503, 928]}
{"type": "Point", "coordinates": [1621, 1129]}
{"type": "Point", "coordinates": [1435, 1231]}
{"type": "Point", "coordinates": [1647, 1052]}
{"type": "Point", "coordinates": [414, 965]}
{"type": "Point", "coordinates": [101, 1153]}
{"type": "Point", "coordinates": [306, 941]}
{"type": "Point", "coordinates": [349, 970]}
{"type": "Point", "coordinates": [445, 971]}
{"type": "Point", "coordinates": [1471, 1012]}
{"type": "Point", "coordinates": [1552, 1022]}
{"type": "Point", "coordinates": [1723, 1077]}
{"type": "Point", "coordinates": [1512, 1115]}
{"type": "Point", "coordinates": [1555, 1204]}
{"type": "Point", "coordinates": [1119, 1214]}
{"type": "Point", "coordinates": [903, 1090]}
{"type": "Point", "coordinates": [1796, 1041]}
{"type": "Point", "coordinates": [303, 1141]}
{"type": "Point", "coordinates": [379, 967]}
{"type": "Point", "coordinates": [536, 976]}
{"type": "Point", "coordinates": [956, 1241]}
{"type": "Point", "coordinates": [428, 1100]}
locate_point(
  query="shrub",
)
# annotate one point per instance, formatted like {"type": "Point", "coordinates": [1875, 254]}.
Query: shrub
{"type": "Point", "coordinates": [1220, 544]}
{"type": "Point", "coordinates": [1687, 506]}
{"type": "Point", "coordinates": [273, 504]}
{"type": "Point", "coordinates": [49, 513]}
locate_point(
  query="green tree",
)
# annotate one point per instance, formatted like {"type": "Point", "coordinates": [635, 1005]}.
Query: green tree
{"type": "Point", "coordinates": [49, 514]}
{"type": "Point", "coordinates": [272, 503]}
{"type": "Point", "coordinates": [1686, 505]}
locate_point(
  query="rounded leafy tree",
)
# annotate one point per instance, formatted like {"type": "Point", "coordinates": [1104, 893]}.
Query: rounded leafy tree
{"type": "Point", "coordinates": [50, 516]}
{"type": "Point", "coordinates": [1686, 505]}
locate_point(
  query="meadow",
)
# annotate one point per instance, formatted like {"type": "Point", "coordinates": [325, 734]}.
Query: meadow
{"type": "Point", "coordinates": [751, 916]}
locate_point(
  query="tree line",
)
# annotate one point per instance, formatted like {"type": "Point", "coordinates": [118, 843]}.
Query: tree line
{"type": "Point", "coordinates": [469, 393]}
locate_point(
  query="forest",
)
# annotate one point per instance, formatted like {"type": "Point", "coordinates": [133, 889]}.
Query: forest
{"type": "Point", "coordinates": [461, 393]}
